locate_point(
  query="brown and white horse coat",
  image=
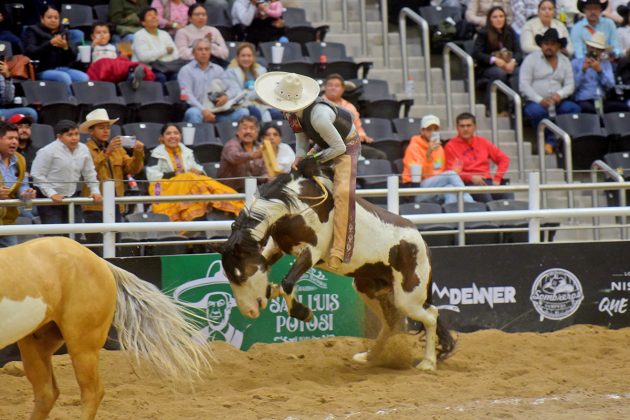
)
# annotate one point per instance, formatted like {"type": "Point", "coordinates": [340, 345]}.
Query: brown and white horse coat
{"type": "Point", "coordinates": [293, 215]}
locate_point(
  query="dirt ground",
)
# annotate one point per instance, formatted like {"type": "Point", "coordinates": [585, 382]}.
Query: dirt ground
{"type": "Point", "coordinates": [582, 372]}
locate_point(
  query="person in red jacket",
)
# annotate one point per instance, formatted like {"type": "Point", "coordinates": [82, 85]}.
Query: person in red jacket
{"type": "Point", "coordinates": [470, 156]}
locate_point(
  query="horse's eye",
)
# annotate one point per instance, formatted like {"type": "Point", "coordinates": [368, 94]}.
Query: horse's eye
{"type": "Point", "coordinates": [237, 272]}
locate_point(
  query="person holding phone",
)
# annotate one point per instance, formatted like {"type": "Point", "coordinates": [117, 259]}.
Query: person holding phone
{"type": "Point", "coordinates": [425, 153]}
{"type": "Point", "coordinates": [48, 43]}
{"type": "Point", "coordinates": [111, 161]}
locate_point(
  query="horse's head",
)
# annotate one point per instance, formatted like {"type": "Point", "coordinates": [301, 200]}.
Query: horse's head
{"type": "Point", "coordinates": [246, 268]}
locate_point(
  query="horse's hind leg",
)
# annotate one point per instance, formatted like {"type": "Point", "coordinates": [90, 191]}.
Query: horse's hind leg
{"type": "Point", "coordinates": [36, 350]}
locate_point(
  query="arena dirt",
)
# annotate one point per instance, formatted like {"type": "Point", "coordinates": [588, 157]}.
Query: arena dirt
{"type": "Point", "coordinates": [582, 372]}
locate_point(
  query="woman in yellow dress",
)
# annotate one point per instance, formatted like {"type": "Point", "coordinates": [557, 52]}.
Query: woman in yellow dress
{"type": "Point", "coordinates": [177, 173]}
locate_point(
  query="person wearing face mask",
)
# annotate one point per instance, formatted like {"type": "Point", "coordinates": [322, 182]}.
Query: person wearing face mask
{"type": "Point", "coordinates": [426, 153]}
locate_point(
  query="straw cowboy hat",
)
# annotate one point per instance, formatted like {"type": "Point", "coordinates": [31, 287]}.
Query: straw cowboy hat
{"type": "Point", "coordinates": [288, 92]}
{"type": "Point", "coordinates": [582, 3]}
{"type": "Point", "coordinates": [98, 116]}
{"type": "Point", "coordinates": [598, 40]}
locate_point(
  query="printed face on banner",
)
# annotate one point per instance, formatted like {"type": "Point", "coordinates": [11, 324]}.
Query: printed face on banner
{"type": "Point", "coordinates": [556, 294]}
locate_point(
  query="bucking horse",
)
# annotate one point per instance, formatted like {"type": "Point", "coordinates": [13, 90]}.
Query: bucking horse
{"type": "Point", "coordinates": [293, 215]}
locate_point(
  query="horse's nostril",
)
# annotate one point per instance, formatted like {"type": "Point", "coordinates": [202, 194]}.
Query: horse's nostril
{"type": "Point", "coordinates": [259, 300]}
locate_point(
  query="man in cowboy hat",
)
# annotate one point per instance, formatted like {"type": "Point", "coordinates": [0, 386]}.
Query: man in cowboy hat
{"type": "Point", "coordinates": [546, 82]}
{"type": "Point", "coordinates": [593, 22]}
{"type": "Point", "coordinates": [335, 137]}
{"type": "Point", "coordinates": [594, 76]}
{"type": "Point", "coordinates": [111, 161]}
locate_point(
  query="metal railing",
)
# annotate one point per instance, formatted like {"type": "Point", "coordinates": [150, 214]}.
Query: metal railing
{"type": "Point", "coordinates": [363, 21]}
{"type": "Point", "coordinates": [518, 121]}
{"type": "Point", "coordinates": [324, 9]}
{"type": "Point", "coordinates": [426, 49]}
{"type": "Point", "coordinates": [617, 177]}
{"type": "Point", "coordinates": [344, 15]}
{"type": "Point", "coordinates": [470, 69]}
{"type": "Point", "coordinates": [385, 32]}
{"type": "Point", "coordinates": [568, 158]}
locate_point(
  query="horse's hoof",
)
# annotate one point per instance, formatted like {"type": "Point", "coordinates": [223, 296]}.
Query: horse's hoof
{"type": "Point", "coordinates": [301, 312]}
{"type": "Point", "coordinates": [361, 357]}
{"type": "Point", "coordinates": [426, 365]}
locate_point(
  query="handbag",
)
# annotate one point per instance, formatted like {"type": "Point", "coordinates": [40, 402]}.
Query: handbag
{"type": "Point", "coordinates": [20, 67]}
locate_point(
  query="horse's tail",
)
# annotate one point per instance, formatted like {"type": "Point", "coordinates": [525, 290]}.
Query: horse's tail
{"type": "Point", "coordinates": [446, 340]}
{"type": "Point", "coordinates": [154, 328]}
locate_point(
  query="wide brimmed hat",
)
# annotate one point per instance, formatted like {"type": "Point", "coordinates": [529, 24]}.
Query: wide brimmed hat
{"type": "Point", "coordinates": [582, 3]}
{"type": "Point", "coordinates": [289, 92]}
{"type": "Point", "coordinates": [623, 10]}
{"type": "Point", "coordinates": [598, 40]}
{"type": "Point", "coordinates": [98, 116]}
{"type": "Point", "coordinates": [551, 34]}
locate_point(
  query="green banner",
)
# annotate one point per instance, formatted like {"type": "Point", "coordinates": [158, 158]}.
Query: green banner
{"type": "Point", "coordinates": [199, 281]}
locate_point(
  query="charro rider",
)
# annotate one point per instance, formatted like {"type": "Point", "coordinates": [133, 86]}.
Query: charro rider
{"type": "Point", "coordinates": [335, 137]}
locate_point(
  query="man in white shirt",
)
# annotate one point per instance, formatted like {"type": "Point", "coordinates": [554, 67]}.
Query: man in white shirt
{"type": "Point", "coordinates": [155, 47]}
{"type": "Point", "coordinates": [57, 170]}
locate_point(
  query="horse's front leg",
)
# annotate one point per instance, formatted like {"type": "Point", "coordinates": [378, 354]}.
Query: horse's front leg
{"type": "Point", "coordinates": [303, 262]}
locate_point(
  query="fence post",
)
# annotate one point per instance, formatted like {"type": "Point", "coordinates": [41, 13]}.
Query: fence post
{"type": "Point", "coordinates": [250, 190]}
{"type": "Point", "coordinates": [109, 216]}
{"type": "Point", "coordinates": [392, 194]}
{"type": "Point", "coordinates": [534, 204]}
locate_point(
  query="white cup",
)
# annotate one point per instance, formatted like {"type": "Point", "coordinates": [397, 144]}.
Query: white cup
{"type": "Point", "coordinates": [85, 53]}
{"type": "Point", "coordinates": [416, 173]}
{"type": "Point", "coordinates": [189, 135]}
{"type": "Point", "coordinates": [277, 51]}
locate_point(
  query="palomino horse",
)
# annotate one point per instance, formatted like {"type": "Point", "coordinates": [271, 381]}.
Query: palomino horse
{"type": "Point", "coordinates": [54, 291]}
{"type": "Point", "coordinates": [293, 215]}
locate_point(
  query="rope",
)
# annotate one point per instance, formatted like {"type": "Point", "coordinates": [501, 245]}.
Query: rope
{"type": "Point", "coordinates": [322, 197]}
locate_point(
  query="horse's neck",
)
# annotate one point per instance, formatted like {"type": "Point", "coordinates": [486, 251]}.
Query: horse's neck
{"type": "Point", "coordinates": [272, 211]}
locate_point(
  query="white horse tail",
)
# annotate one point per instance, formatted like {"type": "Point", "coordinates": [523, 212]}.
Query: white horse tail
{"type": "Point", "coordinates": [154, 328]}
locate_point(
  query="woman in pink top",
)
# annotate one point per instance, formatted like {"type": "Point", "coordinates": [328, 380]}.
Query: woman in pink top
{"type": "Point", "coordinates": [197, 29]}
{"type": "Point", "coordinates": [172, 14]}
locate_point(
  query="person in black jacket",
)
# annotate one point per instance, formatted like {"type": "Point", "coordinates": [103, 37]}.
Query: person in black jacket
{"type": "Point", "coordinates": [497, 52]}
{"type": "Point", "coordinates": [49, 43]}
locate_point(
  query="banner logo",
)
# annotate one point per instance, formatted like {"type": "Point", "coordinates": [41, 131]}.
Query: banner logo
{"type": "Point", "coordinates": [556, 294]}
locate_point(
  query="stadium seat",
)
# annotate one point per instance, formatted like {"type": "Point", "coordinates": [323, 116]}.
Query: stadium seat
{"type": "Point", "coordinates": [508, 205]}
{"type": "Point", "coordinates": [211, 169]}
{"type": "Point", "coordinates": [476, 238]}
{"type": "Point", "coordinates": [101, 11]}
{"type": "Point", "coordinates": [220, 17]}
{"type": "Point", "coordinates": [92, 95]}
{"type": "Point", "coordinates": [373, 173]}
{"type": "Point", "coordinates": [380, 129]}
{"type": "Point", "coordinates": [51, 101]}
{"type": "Point", "coordinates": [42, 134]}
{"type": "Point", "coordinates": [174, 93]}
{"type": "Point", "coordinates": [79, 17]}
{"type": "Point", "coordinates": [148, 101]}
{"type": "Point", "coordinates": [588, 139]}
{"type": "Point", "coordinates": [617, 125]}
{"type": "Point", "coordinates": [337, 61]}
{"type": "Point", "coordinates": [407, 127]}
{"type": "Point", "coordinates": [619, 161]}
{"type": "Point", "coordinates": [294, 16]}
{"type": "Point", "coordinates": [292, 52]}
{"type": "Point", "coordinates": [303, 34]}
{"type": "Point", "coordinates": [226, 130]}
{"type": "Point", "coordinates": [148, 133]}
{"type": "Point", "coordinates": [299, 67]}
{"type": "Point", "coordinates": [6, 49]}
{"type": "Point", "coordinates": [446, 239]}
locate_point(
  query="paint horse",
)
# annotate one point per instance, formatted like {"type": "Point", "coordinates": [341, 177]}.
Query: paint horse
{"type": "Point", "coordinates": [293, 215]}
{"type": "Point", "coordinates": [54, 291]}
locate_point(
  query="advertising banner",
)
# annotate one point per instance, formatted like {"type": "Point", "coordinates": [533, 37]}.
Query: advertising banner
{"type": "Point", "coordinates": [199, 282]}
{"type": "Point", "coordinates": [542, 287]}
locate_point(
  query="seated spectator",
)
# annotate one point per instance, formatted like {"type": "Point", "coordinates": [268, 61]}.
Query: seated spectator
{"type": "Point", "coordinates": [612, 11]}
{"type": "Point", "coordinates": [111, 162]}
{"type": "Point", "coordinates": [284, 154]}
{"type": "Point", "coordinates": [155, 47]}
{"type": "Point", "coordinates": [242, 156]}
{"type": "Point", "coordinates": [425, 150]}
{"type": "Point", "coordinates": [522, 10]}
{"type": "Point", "coordinates": [568, 12]}
{"type": "Point", "coordinates": [546, 82]}
{"type": "Point", "coordinates": [245, 70]}
{"type": "Point", "coordinates": [334, 87]}
{"type": "Point", "coordinates": [58, 170]}
{"type": "Point", "coordinates": [7, 91]}
{"type": "Point", "coordinates": [107, 66]}
{"type": "Point", "coordinates": [13, 179]}
{"type": "Point", "coordinates": [477, 11]}
{"type": "Point", "coordinates": [540, 24]}
{"type": "Point", "coordinates": [258, 21]}
{"type": "Point", "coordinates": [7, 35]}
{"type": "Point", "coordinates": [593, 22]}
{"type": "Point", "coordinates": [197, 29]}
{"type": "Point", "coordinates": [594, 77]}
{"type": "Point", "coordinates": [124, 15]}
{"type": "Point", "coordinates": [172, 14]}
{"type": "Point", "coordinates": [53, 48]}
{"type": "Point", "coordinates": [623, 31]}
{"type": "Point", "coordinates": [470, 156]}
{"type": "Point", "coordinates": [26, 148]}
{"type": "Point", "coordinates": [211, 93]}
{"type": "Point", "coordinates": [497, 52]}
{"type": "Point", "coordinates": [175, 164]}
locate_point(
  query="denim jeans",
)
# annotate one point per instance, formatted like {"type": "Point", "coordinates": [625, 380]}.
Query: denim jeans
{"type": "Point", "coordinates": [7, 113]}
{"type": "Point", "coordinates": [7, 241]}
{"type": "Point", "coordinates": [65, 75]}
{"type": "Point", "coordinates": [194, 115]}
{"type": "Point", "coordinates": [443, 180]}
{"type": "Point", "coordinates": [536, 113]}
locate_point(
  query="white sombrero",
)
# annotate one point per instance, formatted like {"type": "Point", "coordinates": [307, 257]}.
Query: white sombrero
{"type": "Point", "coordinates": [289, 92]}
{"type": "Point", "coordinates": [98, 116]}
